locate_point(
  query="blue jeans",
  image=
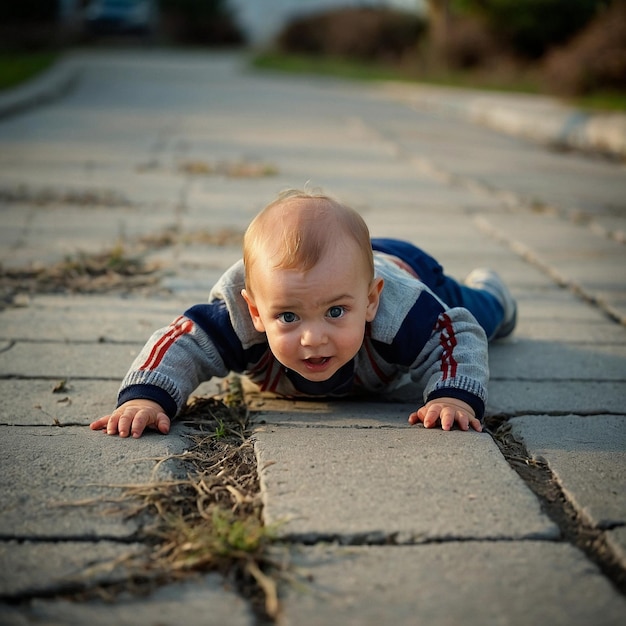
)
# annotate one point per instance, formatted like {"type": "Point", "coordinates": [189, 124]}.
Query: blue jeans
{"type": "Point", "coordinates": [481, 304]}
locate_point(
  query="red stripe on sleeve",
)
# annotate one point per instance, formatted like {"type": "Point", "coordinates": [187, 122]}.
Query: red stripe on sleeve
{"type": "Point", "coordinates": [179, 327]}
{"type": "Point", "coordinates": [448, 342]}
{"type": "Point", "coordinates": [381, 375]}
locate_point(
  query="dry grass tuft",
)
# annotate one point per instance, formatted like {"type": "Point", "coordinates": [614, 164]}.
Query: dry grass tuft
{"type": "Point", "coordinates": [210, 518]}
{"type": "Point", "coordinates": [228, 169]}
{"type": "Point", "coordinates": [83, 273]}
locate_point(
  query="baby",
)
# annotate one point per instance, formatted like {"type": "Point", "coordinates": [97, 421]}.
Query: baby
{"type": "Point", "coordinates": [317, 308]}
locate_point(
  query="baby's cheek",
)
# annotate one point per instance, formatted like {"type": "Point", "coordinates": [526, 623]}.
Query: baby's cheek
{"type": "Point", "coordinates": [351, 340]}
{"type": "Point", "coordinates": [281, 345]}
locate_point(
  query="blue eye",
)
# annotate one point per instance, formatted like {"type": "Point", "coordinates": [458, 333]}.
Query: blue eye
{"type": "Point", "coordinates": [288, 317]}
{"type": "Point", "coordinates": [336, 311]}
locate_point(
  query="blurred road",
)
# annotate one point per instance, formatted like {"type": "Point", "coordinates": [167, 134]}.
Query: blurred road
{"type": "Point", "coordinates": [162, 152]}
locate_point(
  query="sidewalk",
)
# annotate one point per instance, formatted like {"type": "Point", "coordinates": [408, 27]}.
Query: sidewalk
{"type": "Point", "coordinates": [382, 523]}
{"type": "Point", "coordinates": [536, 118]}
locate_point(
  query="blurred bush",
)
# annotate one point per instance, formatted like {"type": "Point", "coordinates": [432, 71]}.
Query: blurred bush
{"type": "Point", "coordinates": [359, 33]}
{"type": "Point", "coordinates": [595, 60]}
{"type": "Point", "coordinates": [464, 43]}
{"type": "Point", "coordinates": [205, 22]}
{"type": "Point", "coordinates": [530, 27]}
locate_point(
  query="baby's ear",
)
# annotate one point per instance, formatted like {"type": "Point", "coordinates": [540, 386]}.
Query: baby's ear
{"type": "Point", "coordinates": [253, 310]}
{"type": "Point", "coordinates": [373, 298]}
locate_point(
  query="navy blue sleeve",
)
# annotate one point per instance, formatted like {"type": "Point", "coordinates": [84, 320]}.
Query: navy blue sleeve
{"type": "Point", "coordinates": [214, 320]}
{"type": "Point", "coordinates": [416, 330]}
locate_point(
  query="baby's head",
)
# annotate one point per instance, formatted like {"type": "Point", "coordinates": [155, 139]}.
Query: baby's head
{"type": "Point", "coordinates": [310, 284]}
{"type": "Point", "coordinates": [298, 228]}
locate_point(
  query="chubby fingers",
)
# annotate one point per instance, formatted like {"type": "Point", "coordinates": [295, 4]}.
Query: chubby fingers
{"type": "Point", "coordinates": [132, 420]}
{"type": "Point", "coordinates": [100, 423]}
{"type": "Point", "coordinates": [428, 415]}
{"type": "Point", "coordinates": [447, 414]}
{"type": "Point", "coordinates": [145, 418]}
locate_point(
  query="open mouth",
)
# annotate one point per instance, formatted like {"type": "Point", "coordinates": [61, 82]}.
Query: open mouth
{"type": "Point", "coordinates": [317, 363]}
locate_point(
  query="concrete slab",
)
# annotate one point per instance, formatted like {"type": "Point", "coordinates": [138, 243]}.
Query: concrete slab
{"type": "Point", "coordinates": [344, 483]}
{"type": "Point", "coordinates": [33, 402]}
{"type": "Point", "coordinates": [44, 568]}
{"type": "Point", "coordinates": [569, 253]}
{"type": "Point", "coordinates": [522, 582]}
{"type": "Point", "coordinates": [510, 397]}
{"type": "Point", "coordinates": [557, 303]}
{"type": "Point", "coordinates": [348, 413]}
{"type": "Point", "coordinates": [523, 359]}
{"type": "Point", "coordinates": [67, 360]}
{"type": "Point", "coordinates": [50, 470]}
{"type": "Point", "coordinates": [569, 331]}
{"type": "Point", "coordinates": [588, 458]}
{"type": "Point", "coordinates": [95, 318]}
{"type": "Point", "coordinates": [203, 601]}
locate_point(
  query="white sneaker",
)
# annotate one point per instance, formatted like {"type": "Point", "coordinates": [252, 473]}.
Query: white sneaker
{"type": "Point", "coordinates": [490, 281]}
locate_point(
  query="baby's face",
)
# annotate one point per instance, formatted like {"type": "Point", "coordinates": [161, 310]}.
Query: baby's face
{"type": "Point", "coordinates": [315, 321]}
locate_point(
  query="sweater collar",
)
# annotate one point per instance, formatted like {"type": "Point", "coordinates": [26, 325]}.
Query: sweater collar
{"type": "Point", "coordinates": [338, 384]}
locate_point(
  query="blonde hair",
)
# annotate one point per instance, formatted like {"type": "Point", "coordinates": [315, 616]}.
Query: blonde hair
{"type": "Point", "coordinates": [297, 229]}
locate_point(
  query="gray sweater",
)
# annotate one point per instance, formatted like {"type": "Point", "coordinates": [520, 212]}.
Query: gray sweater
{"type": "Point", "coordinates": [414, 338]}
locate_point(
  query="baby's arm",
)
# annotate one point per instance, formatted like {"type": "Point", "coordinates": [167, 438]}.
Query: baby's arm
{"type": "Point", "coordinates": [133, 417]}
{"type": "Point", "coordinates": [446, 411]}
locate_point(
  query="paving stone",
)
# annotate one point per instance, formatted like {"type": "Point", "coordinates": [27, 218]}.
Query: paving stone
{"type": "Point", "coordinates": [557, 304]}
{"type": "Point", "coordinates": [95, 318]}
{"type": "Point", "coordinates": [204, 601]}
{"type": "Point", "coordinates": [347, 413]}
{"type": "Point", "coordinates": [43, 568]}
{"type": "Point", "coordinates": [524, 359]}
{"type": "Point", "coordinates": [591, 263]}
{"type": "Point", "coordinates": [572, 332]}
{"type": "Point", "coordinates": [33, 402]}
{"type": "Point", "coordinates": [344, 482]}
{"type": "Point", "coordinates": [67, 360]}
{"type": "Point", "coordinates": [51, 470]}
{"type": "Point", "coordinates": [588, 458]}
{"type": "Point", "coordinates": [510, 397]}
{"type": "Point", "coordinates": [522, 582]}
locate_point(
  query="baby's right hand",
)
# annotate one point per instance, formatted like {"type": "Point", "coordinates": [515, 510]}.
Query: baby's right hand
{"type": "Point", "coordinates": [133, 417]}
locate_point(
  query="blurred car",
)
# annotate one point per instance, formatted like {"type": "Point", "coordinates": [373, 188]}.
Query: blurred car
{"type": "Point", "coordinates": [120, 17]}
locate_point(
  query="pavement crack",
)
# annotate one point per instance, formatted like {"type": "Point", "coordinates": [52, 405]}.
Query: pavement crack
{"type": "Point", "coordinates": [495, 420]}
{"type": "Point", "coordinates": [88, 538]}
{"type": "Point", "coordinates": [385, 538]}
{"type": "Point", "coordinates": [10, 344]}
{"type": "Point", "coordinates": [55, 424]}
{"type": "Point", "coordinates": [531, 257]}
{"type": "Point", "coordinates": [574, 529]}
{"type": "Point", "coordinates": [79, 342]}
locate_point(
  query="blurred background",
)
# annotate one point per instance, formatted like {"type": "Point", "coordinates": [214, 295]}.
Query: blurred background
{"type": "Point", "coordinates": [573, 49]}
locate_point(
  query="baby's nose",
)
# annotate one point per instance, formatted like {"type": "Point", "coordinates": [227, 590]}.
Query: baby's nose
{"type": "Point", "coordinates": [313, 335]}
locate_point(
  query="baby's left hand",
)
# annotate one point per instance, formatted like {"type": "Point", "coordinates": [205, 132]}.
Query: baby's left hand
{"type": "Point", "coordinates": [447, 411]}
